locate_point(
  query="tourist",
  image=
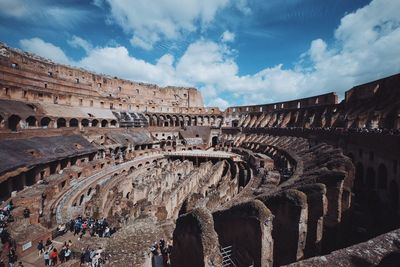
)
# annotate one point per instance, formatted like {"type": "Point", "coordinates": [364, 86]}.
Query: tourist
{"type": "Point", "coordinates": [48, 243]}
{"type": "Point", "coordinates": [61, 229]}
{"type": "Point", "coordinates": [67, 254]}
{"type": "Point", "coordinates": [12, 257]}
{"type": "Point", "coordinates": [61, 255]}
{"type": "Point", "coordinates": [82, 258]}
{"type": "Point", "coordinates": [46, 258]}
{"type": "Point", "coordinates": [54, 257]}
{"type": "Point", "coordinates": [40, 247]}
{"type": "Point", "coordinates": [2, 264]}
{"type": "Point", "coordinates": [107, 232]}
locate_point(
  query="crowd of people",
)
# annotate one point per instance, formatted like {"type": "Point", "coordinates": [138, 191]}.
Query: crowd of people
{"type": "Point", "coordinates": [161, 251]}
{"type": "Point", "coordinates": [8, 245]}
{"type": "Point", "coordinates": [51, 255]}
{"type": "Point", "coordinates": [80, 226]}
{"type": "Point", "coordinates": [92, 257]}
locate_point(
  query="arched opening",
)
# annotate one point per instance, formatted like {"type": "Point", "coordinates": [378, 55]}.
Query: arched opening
{"type": "Point", "coordinates": [382, 176]}
{"type": "Point", "coordinates": [61, 122]}
{"type": "Point", "coordinates": [31, 121]}
{"type": "Point", "coordinates": [44, 122]}
{"type": "Point", "coordinates": [89, 191]}
{"type": "Point", "coordinates": [95, 123]}
{"type": "Point", "coordinates": [30, 177]}
{"type": "Point", "coordinates": [359, 179]}
{"type": "Point", "coordinates": [13, 122]}
{"type": "Point", "coordinates": [85, 123]}
{"type": "Point", "coordinates": [113, 123]}
{"type": "Point", "coordinates": [131, 169]}
{"type": "Point", "coordinates": [53, 167]}
{"type": "Point", "coordinates": [214, 141]}
{"type": "Point", "coordinates": [81, 199]}
{"type": "Point", "coordinates": [128, 194]}
{"type": "Point", "coordinates": [370, 179]}
{"type": "Point", "coordinates": [104, 123]}
{"type": "Point", "coordinates": [73, 123]}
{"type": "Point", "coordinates": [394, 195]}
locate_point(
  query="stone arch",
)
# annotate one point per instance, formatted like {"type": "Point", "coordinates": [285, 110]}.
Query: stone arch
{"type": "Point", "coordinates": [181, 121]}
{"type": "Point", "coordinates": [131, 169]}
{"type": "Point", "coordinates": [85, 123]}
{"type": "Point", "coordinates": [13, 122]}
{"type": "Point", "coordinates": [154, 120]}
{"type": "Point", "coordinates": [188, 121]}
{"type": "Point", "coordinates": [206, 120]}
{"type": "Point", "coordinates": [44, 122]}
{"type": "Point", "coordinates": [81, 199]}
{"type": "Point", "coordinates": [382, 176]}
{"type": "Point", "coordinates": [113, 123]}
{"type": "Point", "coordinates": [95, 123]}
{"type": "Point", "coordinates": [214, 141]}
{"type": "Point", "coordinates": [175, 121]}
{"type": "Point", "coordinates": [212, 120]}
{"type": "Point", "coordinates": [104, 123]}
{"type": "Point", "coordinates": [161, 120]}
{"type": "Point", "coordinates": [61, 122]}
{"type": "Point", "coordinates": [89, 191]}
{"type": "Point", "coordinates": [31, 121]}
{"type": "Point", "coordinates": [359, 176]}
{"type": "Point", "coordinates": [73, 122]}
{"type": "Point", "coordinates": [168, 121]}
{"type": "Point", "coordinates": [370, 178]}
{"type": "Point", "coordinates": [148, 119]}
{"type": "Point", "coordinates": [200, 120]}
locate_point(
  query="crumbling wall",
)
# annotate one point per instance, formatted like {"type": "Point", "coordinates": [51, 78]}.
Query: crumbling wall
{"type": "Point", "coordinates": [195, 241]}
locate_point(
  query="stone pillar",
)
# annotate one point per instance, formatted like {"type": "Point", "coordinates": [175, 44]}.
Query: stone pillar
{"type": "Point", "coordinates": [195, 241]}
{"type": "Point", "coordinates": [317, 208]}
{"type": "Point", "coordinates": [247, 228]}
{"type": "Point", "coordinates": [289, 225]}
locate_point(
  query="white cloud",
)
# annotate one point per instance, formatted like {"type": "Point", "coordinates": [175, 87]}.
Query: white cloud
{"type": "Point", "coordinates": [218, 102]}
{"type": "Point", "coordinates": [14, 8]}
{"type": "Point", "coordinates": [352, 59]}
{"type": "Point", "coordinates": [47, 50]}
{"type": "Point", "coordinates": [228, 37]}
{"type": "Point", "coordinates": [79, 42]}
{"type": "Point", "coordinates": [42, 12]}
{"type": "Point", "coordinates": [151, 21]}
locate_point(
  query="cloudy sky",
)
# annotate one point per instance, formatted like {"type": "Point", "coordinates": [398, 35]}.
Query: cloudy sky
{"type": "Point", "coordinates": [235, 51]}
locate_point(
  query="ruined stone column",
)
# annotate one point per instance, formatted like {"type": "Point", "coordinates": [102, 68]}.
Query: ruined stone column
{"type": "Point", "coordinates": [195, 241]}
{"type": "Point", "coordinates": [317, 208]}
{"type": "Point", "coordinates": [289, 225]}
{"type": "Point", "coordinates": [247, 228]}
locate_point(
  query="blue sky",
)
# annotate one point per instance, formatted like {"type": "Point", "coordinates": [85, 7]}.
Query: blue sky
{"type": "Point", "coordinates": [235, 51]}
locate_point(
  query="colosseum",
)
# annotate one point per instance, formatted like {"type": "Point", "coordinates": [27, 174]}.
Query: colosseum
{"type": "Point", "coordinates": [142, 175]}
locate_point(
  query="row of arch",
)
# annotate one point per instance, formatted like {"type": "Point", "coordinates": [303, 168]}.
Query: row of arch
{"type": "Point", "coordinates": [166, 120]}
{"type": "Point", "coordinates": [318, 117]}
{"type": "Point", "coordinates": [15, 122]}
{"type": "Point", "coordinates": [371, 180]}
